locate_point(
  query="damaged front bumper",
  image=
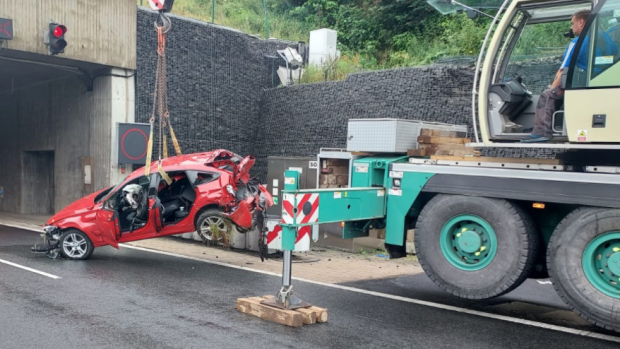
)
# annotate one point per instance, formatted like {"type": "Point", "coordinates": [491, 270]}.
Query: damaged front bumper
{"type": "Point", "coordinates": [51, 242]}
{"type": "Point", "coordinates": [250, 200]}
{"type": "Point", "coordinates": [249, 212]}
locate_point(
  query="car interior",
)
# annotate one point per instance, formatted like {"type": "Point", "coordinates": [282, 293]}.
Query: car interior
{"type": "Point", "coordinates": [177, 198]}
{"type": "Point", "coordinates": [131, 218]}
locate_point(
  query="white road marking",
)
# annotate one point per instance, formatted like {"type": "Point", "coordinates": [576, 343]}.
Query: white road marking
{"type": "Point", "coordinates": [30, 269]}
{"type": "Point", "coordinates": [38, 230]}
{"type": "Point", "coordinates": [544, 282]}
{"type": "Point", "coordinates": [403, 299]}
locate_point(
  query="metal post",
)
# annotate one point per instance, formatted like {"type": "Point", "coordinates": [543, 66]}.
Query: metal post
{"type": "Point", "coordinates": [287, 269]}
{"type": "Point", "coordinates": [212, 11]}
{"type": "Point", "coordinates": [285, 299]}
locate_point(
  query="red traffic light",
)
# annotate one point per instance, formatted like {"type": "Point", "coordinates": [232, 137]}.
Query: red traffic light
{"type": "Point", "coordinates": [59, 31]}
{"type": "Point", "coordinates": [56, 38]}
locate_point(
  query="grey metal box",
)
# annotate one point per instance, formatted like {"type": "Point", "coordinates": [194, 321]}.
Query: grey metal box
{"type": "Point", "coordinates": [307, 167]}
{"type": "Point", "coordinates": [390, 135]}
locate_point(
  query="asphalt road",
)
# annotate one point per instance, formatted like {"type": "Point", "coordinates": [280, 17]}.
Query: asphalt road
{"type": "Point", "coordinates": [136, 299]}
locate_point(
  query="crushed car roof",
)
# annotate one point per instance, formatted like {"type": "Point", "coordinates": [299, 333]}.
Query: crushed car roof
{"type": "Point", "coordinates": [196, 160]}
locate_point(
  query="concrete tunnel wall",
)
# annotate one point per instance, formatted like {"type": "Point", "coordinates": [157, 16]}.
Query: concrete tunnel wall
{"type": "Point", "coordinates": [62, 118]}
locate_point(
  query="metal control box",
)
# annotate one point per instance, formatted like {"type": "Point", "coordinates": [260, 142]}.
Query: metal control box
{"type": "Point", "coordinates": [308, 168]}
{"type": "Point", "coordinates": [390, 135]}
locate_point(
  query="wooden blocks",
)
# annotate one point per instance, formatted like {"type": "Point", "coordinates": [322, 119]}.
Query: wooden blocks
{"type": "Point", "coordinates": [443, 140]}
{"type": "Point", "coordinates": [500, 160]}
{"type": "Point", "coordinates": [294, 318]}
{"type": "Point", "coordinates": [448, 143]}
{"type": "Point", "coordinates": [438, 133]}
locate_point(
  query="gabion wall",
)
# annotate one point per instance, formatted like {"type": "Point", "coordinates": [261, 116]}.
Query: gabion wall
{"type": "Point", "coordinates": [215, 79]}
{"type": "Point", "coordinates": [301, 119]}
{"type": "Point", "coordinates": [221, 95]}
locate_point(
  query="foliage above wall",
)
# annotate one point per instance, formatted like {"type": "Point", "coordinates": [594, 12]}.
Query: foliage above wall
{"type": "Point", "coordinates": [372, 34]}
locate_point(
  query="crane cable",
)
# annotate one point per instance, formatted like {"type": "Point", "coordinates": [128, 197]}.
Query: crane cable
{"type": "Point", "coordinates": [160, 102]}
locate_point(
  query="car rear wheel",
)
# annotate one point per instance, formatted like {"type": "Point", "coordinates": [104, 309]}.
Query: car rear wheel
{"type": "Point", "coordinates": [74, 244]}
{"type": "Point", "coordinates": [212, 226]}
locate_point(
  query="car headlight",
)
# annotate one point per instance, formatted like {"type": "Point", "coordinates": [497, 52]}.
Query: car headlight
{"type": "Point", "coordinates": [52, 232]}
{"type": "Point", "coordinates": [230, 189]}
{"type": "Point", "coordinates": [396, 182]}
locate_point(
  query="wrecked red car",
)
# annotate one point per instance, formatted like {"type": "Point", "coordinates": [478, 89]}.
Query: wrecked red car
{"type": "Point", "coordinates": [195, 192]}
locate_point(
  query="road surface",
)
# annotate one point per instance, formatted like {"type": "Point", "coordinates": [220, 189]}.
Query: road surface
{"type": "Point", "coordinates": [137, 299]}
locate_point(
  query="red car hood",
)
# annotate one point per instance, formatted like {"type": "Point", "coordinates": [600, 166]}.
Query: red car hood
{"type": "Point", "coordinates": [77, 207]}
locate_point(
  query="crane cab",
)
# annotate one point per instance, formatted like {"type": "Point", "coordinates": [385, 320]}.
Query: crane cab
{"type": "Point", "coordinates": [519, 60]}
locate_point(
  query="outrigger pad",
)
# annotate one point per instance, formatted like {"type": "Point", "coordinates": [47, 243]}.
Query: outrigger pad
{"type": "Point", "coordinates": [292, 303]}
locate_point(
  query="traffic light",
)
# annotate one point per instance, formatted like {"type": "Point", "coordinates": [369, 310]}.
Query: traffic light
{"type": "Point", "coordinates": [56, 37]}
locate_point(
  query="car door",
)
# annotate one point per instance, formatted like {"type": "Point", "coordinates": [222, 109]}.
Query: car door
{"type": "Point", "coordinates": [108, 223]}
{"type": "Point", "coordinates": [154, 224]}
{"type": "Point", "coordinates": [155, 206]}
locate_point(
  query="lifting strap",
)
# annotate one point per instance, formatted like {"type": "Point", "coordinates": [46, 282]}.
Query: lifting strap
{"type": "Point", "coordinates": [160, 103]}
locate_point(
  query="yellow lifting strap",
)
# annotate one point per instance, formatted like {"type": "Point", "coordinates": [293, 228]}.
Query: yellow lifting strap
{"type": "Point", "coordinates": [149, 153]}
{"type": "Point", "coordinates": [177, 148]}
{"type": "Point", "coordinates": [165, 147]}
{"type": "Point", "coordinates": [163, 174]}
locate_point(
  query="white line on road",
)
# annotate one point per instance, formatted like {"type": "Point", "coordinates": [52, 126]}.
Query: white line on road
{"type": "Point", "coordinates": [30, 269]}
{"type": "Point", "coordinates": [404, 299]}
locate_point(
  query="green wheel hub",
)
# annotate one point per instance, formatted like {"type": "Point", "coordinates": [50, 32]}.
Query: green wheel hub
{"type": "Point", "coordinates": [468, 242]}
{"type": "Point", "coordinates": [601, 263]}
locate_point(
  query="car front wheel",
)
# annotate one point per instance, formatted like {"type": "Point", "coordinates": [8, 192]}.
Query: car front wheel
{"type": "Point", "coordinates": [74, 244]}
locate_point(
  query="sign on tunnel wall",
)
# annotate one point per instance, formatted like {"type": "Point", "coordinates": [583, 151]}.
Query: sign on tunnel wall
{"type": "Point", "coordinates": [132, 143]}
{"type": "Point", "coordinates": [6, 29]}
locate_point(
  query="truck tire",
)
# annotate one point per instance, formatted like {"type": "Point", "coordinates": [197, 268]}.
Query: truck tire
{"type": "Point", "coordinates": [583, 259]}
{"type": "Point", "coordinates": [475, 247]}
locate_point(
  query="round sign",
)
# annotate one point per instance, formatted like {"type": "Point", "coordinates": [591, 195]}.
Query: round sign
{"type": "Point", "coordinates": [134, 142]}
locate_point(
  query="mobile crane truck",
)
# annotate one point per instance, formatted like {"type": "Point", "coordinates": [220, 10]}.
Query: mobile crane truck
{"type": "Point", "coordinates": [483, 227]}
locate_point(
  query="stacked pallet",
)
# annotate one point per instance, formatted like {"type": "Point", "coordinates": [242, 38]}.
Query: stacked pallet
{"type": "Point", "coordinates": [443, 143]}
{"type": "Point", "coordinates": [294, 318]}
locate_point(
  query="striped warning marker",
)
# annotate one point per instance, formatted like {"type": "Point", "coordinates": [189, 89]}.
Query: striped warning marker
{"type": "Point", "coordinates": [288, 202]}
{"type": "Point", "coordinates": [307, 208]}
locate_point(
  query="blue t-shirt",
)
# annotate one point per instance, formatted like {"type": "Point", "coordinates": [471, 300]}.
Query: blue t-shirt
{"type": "Point", "coordinates": [611, 49]}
